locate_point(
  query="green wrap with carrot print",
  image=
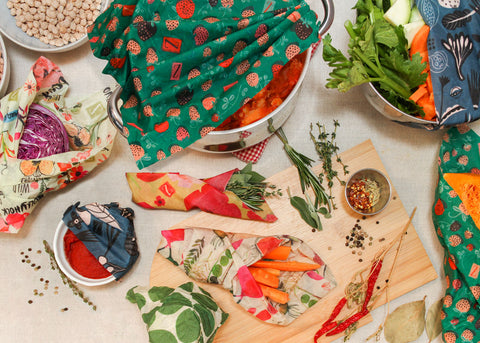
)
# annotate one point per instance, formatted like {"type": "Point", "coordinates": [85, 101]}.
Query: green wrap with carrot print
{"type": "Point", "coordinates": [458, 234]}
{"type": "Point", "coordinates": [187, 65]}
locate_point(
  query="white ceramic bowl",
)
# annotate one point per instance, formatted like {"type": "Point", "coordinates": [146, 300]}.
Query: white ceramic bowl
{"type": "Point", "coordinates": [9, 29]}
{"type": "Point", "coordinates": [6, 69]}
{"type": "Point", "coordinates": [61, 258]}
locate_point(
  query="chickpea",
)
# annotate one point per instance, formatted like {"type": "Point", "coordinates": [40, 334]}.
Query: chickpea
{"type": "Point", "coordinates": [54, 22]}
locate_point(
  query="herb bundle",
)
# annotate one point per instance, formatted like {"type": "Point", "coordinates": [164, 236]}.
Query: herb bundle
{"type": "Point", "coordinates": [378, 54]}
{"type": "Point", "coordinates": [308, 180]}
{"type": "Point", "coordinates": [327, 148]}
{"type": "Point", "coordinates": [251, 187]}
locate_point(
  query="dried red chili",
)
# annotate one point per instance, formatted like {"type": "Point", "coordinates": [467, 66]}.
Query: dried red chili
{"type": "Point", "coordinates": [371, 282]}
{"type": "Point", "coordinates": [329, 323]}
{"type": "Point", "coordinates": [349, 321]}
{"type": "Point", "coordinates": [324, 329]}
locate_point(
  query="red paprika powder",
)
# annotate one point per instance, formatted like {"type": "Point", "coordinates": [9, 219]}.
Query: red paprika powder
{"type": "Point", "coordinates": [81, 259]}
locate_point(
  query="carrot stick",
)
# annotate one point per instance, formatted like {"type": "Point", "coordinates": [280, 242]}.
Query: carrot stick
{"type": "Point", "coordinates": [428, 107]}
{"type": "Point", "coordinates": [279, 253]}
{"type": "Point", "coordinates": [419, 93]}
{"type": "Point", "coordinates": [275, 294]}
{"type": "Point", "coordinates": [263, 277]}
{"type": "Point", "coordinates": [273, 271]}
{"type": "Point", "coordinates": [419, 41]}
{"type": "Point", "coordinates": [292, 266]}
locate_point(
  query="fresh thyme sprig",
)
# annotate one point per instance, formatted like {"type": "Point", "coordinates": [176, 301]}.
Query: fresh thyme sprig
{"type": "Point", "coordinates": [66, 281]}
{"type": "Point", "coordinates": [327, 148]}
{"type": "Point", "coordinates": [251, 187]}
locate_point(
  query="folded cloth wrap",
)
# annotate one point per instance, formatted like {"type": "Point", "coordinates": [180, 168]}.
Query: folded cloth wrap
{"type": "Point", "coordinates": [223, 258]}
{"type": "Point", "coordinates": [459, 159]}
{"type": "Point", "coordinates": [187, 65]}
{"type": "Point", "coordinates": [182, 192]}
{"type": "Point", "coordinates": [187, 313]}
{"type": "Point", "coordinates": [23, 182]}
{"type": "Point", "coordinates": [453, 49]}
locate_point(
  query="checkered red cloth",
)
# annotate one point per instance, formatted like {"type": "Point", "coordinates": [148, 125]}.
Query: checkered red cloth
{"type": "Point", "coordinates": [253, 153]}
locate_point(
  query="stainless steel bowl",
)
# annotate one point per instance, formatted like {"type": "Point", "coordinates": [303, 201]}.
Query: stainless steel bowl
{"type": "Point", "coordinates": [240, 138]}
{"type": "Point", "coordinates": [385, 190]}
{"type": "Point", "coordinates": [391, 112]}
{"type": "Point", "coordinates": [5, 78]}
{"type": "Point", "coordinates": [9, 28]}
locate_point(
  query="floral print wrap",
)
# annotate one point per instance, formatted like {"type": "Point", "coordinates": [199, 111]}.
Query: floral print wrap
{"type": "Point", "coordinates": [174, 191]}
{"type": "Point", "coordinates": [24, 182]}
{"type": "Point", "coordinates": [458, 234]}
{"type": "Point", "coordinates": [187, 65]}
{"type": "Point", "coordinates": [217, 257]}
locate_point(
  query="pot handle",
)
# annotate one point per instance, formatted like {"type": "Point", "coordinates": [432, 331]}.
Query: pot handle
{"type": "Point", "coordinates": [328, 17]}
{"type": "Point", "coordinates": [114, 112]}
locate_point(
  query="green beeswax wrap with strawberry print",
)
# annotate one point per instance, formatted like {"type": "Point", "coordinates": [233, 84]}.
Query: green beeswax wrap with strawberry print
{"type": "Point", "coordinates": [23, 182]}
{"type": "Point", "coordinates": [223, 258]}
{"type": "Point", "coordinates": [186, 314]}
{"type": "Point", "coordinates": [187, 65]}
{"type": "Point", "coordinates": [457, 232]}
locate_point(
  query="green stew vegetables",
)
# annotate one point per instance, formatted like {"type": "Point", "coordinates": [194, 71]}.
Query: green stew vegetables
{"type": "Point", "coordinates": [378, 54]}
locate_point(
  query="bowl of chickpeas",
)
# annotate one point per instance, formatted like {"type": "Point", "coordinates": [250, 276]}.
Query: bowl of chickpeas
{"type": "Point", "coordinates": [49, 25]}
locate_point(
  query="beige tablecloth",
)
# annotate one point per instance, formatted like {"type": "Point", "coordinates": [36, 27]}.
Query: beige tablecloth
{"type": "Point", "coordinates": [409, 155]}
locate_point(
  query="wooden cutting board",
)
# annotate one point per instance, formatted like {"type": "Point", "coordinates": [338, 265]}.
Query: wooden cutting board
{"type": "Point", "coordinates": [412, 269]}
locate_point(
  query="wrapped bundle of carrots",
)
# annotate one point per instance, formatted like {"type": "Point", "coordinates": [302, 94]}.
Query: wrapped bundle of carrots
{"type": "Point", "coordinates": [423, 96]}
{"type": "Point", "coordinates": [267, 271]}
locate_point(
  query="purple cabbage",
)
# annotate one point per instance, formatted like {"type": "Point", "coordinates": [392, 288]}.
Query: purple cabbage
{"type": "Point", "coordinates": [43, 135]}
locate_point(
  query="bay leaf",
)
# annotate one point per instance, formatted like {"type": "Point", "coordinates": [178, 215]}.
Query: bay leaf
{"type": "Point", "coordinates": [406, 323]}
{"type": "Point", "coordinates": [433, 323]}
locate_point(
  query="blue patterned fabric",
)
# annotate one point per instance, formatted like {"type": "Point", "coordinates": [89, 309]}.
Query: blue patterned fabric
{"type": "Point", "coordinates": [454, 52]}
{"type": "Point", "coordinates": [107, 231]}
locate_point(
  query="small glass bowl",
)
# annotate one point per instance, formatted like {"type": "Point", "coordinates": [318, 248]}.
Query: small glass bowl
{"type": "Point", "coordinates": [384, 186]}
{"type": "Point", "coordinates": [64, 265]}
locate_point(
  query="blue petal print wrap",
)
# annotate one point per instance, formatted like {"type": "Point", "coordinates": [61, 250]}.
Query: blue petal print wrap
{"type": "Point", "coordinates": [107, 231]}
{"type": "Point", "coordinates": [454, 52]}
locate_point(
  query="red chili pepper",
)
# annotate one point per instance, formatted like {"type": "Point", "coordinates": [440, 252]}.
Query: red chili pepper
{"type": "Point", "coordinates": [325, 328]}
{"type": "Point", "coordinates": [329, 323]}
{"type": "Point", "coordinates": [349, 321]}
{"type": "Point", "coordinates": [371, 282]}
{"type": "Point", "coordinates": [336, 310]}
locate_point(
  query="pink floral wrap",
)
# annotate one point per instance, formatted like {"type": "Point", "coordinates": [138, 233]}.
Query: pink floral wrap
{"type": "Point", "coordinates": [214, 256]}
{"type": "Point", "coordinates": [24, 182]}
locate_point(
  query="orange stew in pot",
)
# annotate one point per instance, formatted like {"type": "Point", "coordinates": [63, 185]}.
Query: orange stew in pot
{"type": "Point", "coordinates": [269, 98]}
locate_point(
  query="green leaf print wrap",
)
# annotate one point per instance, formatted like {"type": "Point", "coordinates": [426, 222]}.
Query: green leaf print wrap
{"type": "Point", "coordinates": [185, 314]}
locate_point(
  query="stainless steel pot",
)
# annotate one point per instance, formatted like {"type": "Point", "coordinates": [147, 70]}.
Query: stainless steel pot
{"type": "Point", "coordinates": [240, 138]}
{"type": "Point", "coordinates": [393, 113]}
